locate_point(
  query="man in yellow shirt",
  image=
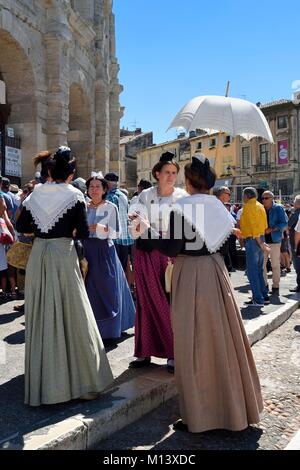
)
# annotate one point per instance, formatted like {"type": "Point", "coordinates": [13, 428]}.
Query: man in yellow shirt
{"type": "Point", "coordinates": [253, 224]}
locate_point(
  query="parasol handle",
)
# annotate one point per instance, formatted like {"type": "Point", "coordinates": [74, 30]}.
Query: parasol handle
{"type": "Point", "coordinates": [227, 89]}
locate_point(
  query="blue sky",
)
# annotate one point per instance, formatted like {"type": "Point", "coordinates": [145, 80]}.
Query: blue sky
{"type": "Point", "coordinates": [172, 50]}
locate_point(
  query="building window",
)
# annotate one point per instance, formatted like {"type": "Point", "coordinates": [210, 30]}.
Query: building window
{"type": "Point", "coordinates": [212, 143]}
{"type": "Point", "coordinates": [227, 140]}
{"type": "Point", "coordinates": [282, 122]}
{"type": "Point", "coordinates": [284, 186]}
{"type": "Point", "coordinates": [246, 163]}
{"type": "Point", "coordinates": [263, 154]}
{"type": "Point", "coordinates": [199, 146]}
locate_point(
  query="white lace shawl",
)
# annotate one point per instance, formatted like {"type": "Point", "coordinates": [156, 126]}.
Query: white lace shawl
{"type": "Point", "coordinates": [50, 201]}
{"type": "Point", "coordinates": [209, 217]}
{"type": "Point", "coordinates": [154, 208]}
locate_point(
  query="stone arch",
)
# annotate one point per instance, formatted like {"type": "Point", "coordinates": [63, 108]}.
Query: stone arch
{"type": "Point", "coordinates": [18, 75]}
{"type": "Point", "coordinates": [80, 129]}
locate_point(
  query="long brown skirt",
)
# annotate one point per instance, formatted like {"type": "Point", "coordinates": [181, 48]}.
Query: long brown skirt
{"type": "Point", "coordinates": [215, 371]}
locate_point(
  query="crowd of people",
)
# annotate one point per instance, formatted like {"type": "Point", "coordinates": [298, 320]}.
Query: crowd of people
{"type": "Point", "coordinates": [268, 235]}
{"type": "Point", "coordinates": [11, 199]}
{"type": "Point", "coordinates": [72, 315]}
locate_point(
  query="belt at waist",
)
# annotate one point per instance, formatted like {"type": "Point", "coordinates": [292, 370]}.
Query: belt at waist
{"type": "Point", "coordinates": [253, 238]}
{"type": "Point", "coordinates": [195, 255]}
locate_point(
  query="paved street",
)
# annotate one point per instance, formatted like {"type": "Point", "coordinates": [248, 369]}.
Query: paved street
{"type": "Point", "coordinates": [278, 361]}
{"type": "Point", "coordinates": [17, 419]}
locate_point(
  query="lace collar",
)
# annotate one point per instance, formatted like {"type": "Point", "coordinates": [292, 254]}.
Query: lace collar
{"type": "Point", "coordinates": [209, 217]}
{"type": "Point", "coordinates": [50, 201]}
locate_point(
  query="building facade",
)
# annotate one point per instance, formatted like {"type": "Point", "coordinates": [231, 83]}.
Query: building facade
{"type": "Point", "coordinates": [274, 166]}
{"type": "Point", "coordinates": [240, 163]}
{"type": "Point", "coordinates": [59, 82]}
{"type": "Point", "coordinates": [220, 149]}
{"type": "Point", "coordinates": [131, 142]}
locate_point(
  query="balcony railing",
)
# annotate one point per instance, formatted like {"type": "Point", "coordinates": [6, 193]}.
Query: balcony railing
{"type": "Point", "coordinates": [262, 168]}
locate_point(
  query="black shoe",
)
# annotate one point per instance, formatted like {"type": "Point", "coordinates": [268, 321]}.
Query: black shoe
{"type": "Point", "coordinates": [252, 303]}
{"type": "Point", "coordinates": [180, 426]}
{"type": "Point", "coordinates": [107, 342]}
{"type": "Point", "coordinates": [295, 289]}
{"type": "Point", "coordinates": [19, 308]}
{"type": "Point", "coordinates": [138, 364]}
{"type": "Point", "coordinates": [170, 366]}
{"type": "Point", "coordinates": [266, 300]}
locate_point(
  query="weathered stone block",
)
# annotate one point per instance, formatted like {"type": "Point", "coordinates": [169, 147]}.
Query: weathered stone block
{"type": "Point", "coordinates": [50, 64]}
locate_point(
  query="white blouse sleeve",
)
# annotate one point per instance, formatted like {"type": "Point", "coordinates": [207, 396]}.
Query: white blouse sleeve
{"type": "Point", "coordinates": [112, 223]}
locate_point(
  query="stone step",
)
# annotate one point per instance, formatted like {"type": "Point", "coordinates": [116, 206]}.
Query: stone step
{"type": "Point", "coordinates": [127, 401]}
{"type": "Point", "coordinates": [294, 443]}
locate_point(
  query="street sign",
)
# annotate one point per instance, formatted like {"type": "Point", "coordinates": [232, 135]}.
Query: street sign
{"type": "Point", "coordinates": [13, 161]}
{"type": "Point", "coordinates": [10, 132]}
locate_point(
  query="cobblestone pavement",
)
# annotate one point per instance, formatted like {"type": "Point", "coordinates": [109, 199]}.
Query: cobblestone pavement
{"type": "Point", "coordinates": [278, 362]}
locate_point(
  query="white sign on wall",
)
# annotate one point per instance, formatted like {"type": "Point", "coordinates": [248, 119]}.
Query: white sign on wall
{"type": "Point", "coordinates": [13, 162]}
{"type": "Point", "coordinates": [2, 92]}
{"type": "Point", "coordinates": [10, 132]}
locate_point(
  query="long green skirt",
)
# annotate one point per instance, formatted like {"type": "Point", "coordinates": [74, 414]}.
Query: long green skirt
{"type": "Point", "coordinates": [64, 353]}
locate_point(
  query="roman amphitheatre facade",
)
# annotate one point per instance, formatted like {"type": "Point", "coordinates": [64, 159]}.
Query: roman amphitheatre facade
{"type": "Point", "coordinates": [59, 83]}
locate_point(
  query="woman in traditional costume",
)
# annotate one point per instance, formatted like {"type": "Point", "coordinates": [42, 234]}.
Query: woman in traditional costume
{"type": "Point", "coordinates": [64, 354]}
{"type": "Point", "coordinates": [106, 283]}
{"type": "Point", "coordinates": [153, 331]}
{"type": "Point", "coordinates": [215, 371]}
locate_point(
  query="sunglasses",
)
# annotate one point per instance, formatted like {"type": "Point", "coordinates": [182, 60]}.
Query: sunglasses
{"type": "Point", "coordinates": [266, 197]}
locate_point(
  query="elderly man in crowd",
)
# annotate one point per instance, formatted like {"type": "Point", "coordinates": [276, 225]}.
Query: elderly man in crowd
{"type": "Point", "coordinates": [291, 225]}
{"type": "Point", "coordinates": [223, 193]}
{"type": "Point", "coordinates": [277, 221]}
{"type": "Point", "coordinates": [253, 225]}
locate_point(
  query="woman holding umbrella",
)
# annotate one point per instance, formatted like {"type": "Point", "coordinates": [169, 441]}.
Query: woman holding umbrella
{"type": "Point", "coordinates": [215, 372]}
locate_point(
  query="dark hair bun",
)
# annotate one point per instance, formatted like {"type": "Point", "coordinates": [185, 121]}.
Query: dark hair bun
{"type": "Point", "coordinates": [167, 157]}
{"type": "Point", "coordinates": [63, 153]}
{"type": "Point", "coordinates": [200, 164]}
{"type": "Point", "coordinates": [64, 164]}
